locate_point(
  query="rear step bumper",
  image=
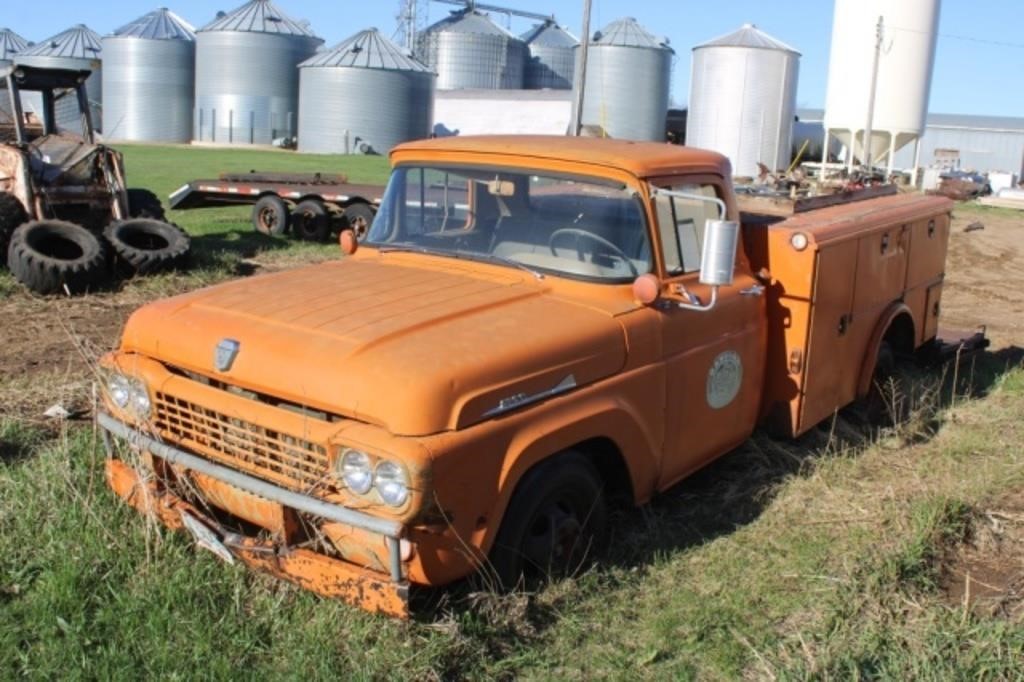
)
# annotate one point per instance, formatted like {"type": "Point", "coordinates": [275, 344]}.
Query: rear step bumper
{"type": "Point", "coordinates": [952, 343]}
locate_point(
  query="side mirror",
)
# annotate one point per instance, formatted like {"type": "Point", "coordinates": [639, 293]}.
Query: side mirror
{"type": "Point", "coordinates": [718, 263]}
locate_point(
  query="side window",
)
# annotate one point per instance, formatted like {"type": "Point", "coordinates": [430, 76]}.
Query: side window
{"type": "Point", "coordinates": [681, 222]}
{"type": "Point", "coordinates": [435, 201]}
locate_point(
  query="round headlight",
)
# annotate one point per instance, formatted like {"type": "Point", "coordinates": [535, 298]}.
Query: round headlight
{"type": "Point", "coordinates": [140, 403]}
{"type": "Point", "coordinates": [354, 469]}
{"type": "Point", "coordinates": [392, 484]}
{"type": "Point", "coordinates": [119, 388]}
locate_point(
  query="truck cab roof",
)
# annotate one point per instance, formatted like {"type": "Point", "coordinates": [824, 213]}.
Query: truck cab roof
{"type": "Point", "coordinates": [642, 159]}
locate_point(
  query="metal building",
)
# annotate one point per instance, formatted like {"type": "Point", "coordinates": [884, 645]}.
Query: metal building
{"type": "Point", "coordinates": [551, 58]}
{"type": "Point", "coordinates": [149, 79]}
{"type": "Point", "coordinates": [627, 82]}
{"type": "Point", "coordinates": [905, 61]}
{"type": "Point", "coordinates": [743, 99]}
{"type": "Point", "coordinates": [247, 77]}
{"type": "Point", "coordinates": [468, 50]}
{"type": "Point", "coordinates": [335, 86]}
{"type": "Point", "coordinates": [76, 48]}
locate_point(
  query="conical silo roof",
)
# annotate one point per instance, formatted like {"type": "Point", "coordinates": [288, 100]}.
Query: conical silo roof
{"type": "Point", "coordinates": [259, 16]}
{"type": "Point", "coordinates": [627, 32]}
{"type": "Point", "coordinates": [78, 42]}
{"type": "Point", "coordinates": [750, 36]}
{"type": "Point", "coordinates": [11, 44]}
{"type": "Point", "coordinates": [469, 21]}
{"type": "Point", "coordinates": [160, 24]}
{"type": "Point", "coordinates": [549, 34]}
{"type": "Point", "coordinates": [366, 50]}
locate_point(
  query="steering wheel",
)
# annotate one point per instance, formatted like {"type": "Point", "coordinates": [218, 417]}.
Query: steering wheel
{"type": "Point", "coordinates": [596, 238]}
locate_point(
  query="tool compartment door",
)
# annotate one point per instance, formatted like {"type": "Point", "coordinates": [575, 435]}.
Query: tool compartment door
{"type": "Point", "coordinates": [829, 376]}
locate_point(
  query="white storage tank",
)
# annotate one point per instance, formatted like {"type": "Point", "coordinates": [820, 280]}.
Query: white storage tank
{"type": "Point", "coordinates": [149, 79]}
{"type": "Point", "coordinates": [743, 99]}
{"type": "Point", "coordinates": [468, 51]}
{"type": "Point", "coordinates": [551, 59]}
{"type": "Point", "coordinates": [906, 61]}
{"type": "Point", "coordinates": [247, 76]}
{"type": "Point", "coordinates": [335, 86]}
{"type": "Point", "coordinates": [78, 47]}
{"type": "Point", "coordinates": [627, 83]}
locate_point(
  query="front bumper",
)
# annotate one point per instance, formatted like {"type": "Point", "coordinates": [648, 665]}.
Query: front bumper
{"type": "Point", "coordinates": [316, 572]}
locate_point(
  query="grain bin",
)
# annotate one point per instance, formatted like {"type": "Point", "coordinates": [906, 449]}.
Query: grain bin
{"type": "Point", "coordinates": [551, 58]}
{"type": "Point", "coordinates": [743, 99]}
{"type": "Point", "coordinates": [149, 79]}
{"type": "Point", "coordinates": [247, 77]}
{"type": "Point", "coordinates": [627, 84]}
{"type": "Point", "coordinates": [76, 48]}
{"type": "Point", "coordinates": [365, 95]}
{"type": "Point", "coordinates": [906, 60]}
{"type": "Point", "coordinates": [469, 51]}
{"type": "Point", "coordinates": [11, 44]}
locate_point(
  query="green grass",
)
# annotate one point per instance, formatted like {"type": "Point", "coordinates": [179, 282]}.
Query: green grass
{"type": "Point", "coordinates": [815, 559]}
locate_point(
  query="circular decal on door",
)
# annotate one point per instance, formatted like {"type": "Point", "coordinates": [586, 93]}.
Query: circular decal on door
{"type": "Point", "coordinates": [724, 379]}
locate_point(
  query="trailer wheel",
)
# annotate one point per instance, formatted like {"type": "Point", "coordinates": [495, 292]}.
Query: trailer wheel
{"type": "Point", "coordinates": [12, 214]}
{"type": "Point", "coordinates": [49, 255]}
{"type": "Point", "coordinates": [270, 215]}
{"type": "Point", "coordinates": [145, 204]}
{"type": "Point", "coordinates": [311, 221]}
{"type": "Point", "coordinates": [144, 246]}
{"type": "Point", "coordinates": [556, 522]}
{"type": "Point", "coordinates": [359, 218]}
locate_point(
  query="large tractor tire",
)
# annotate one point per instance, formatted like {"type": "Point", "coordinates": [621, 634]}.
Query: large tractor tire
{"type": "Point", "coordinates": [53, 256]}
{"type": "Point", "coordinates": [311, 221]}
{"type": "Point", "coordinates": [145, 204]}
{"type": "Point", "coordinates": [12, 214]}
{"type": "Point", "coordinates": [142, 246]}
{"type": "Point", "coordinates": [270, 215]}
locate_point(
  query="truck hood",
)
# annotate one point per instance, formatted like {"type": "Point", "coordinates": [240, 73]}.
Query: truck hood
{"type": "Point", "coordinates": [414, 348]}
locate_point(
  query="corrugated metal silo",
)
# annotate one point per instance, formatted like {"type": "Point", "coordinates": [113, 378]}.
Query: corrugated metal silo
{"type": "Point", "coordinates": [247, 77]}
{"type": "Point", "coordinates": [76, 48]}
{"type": "Point", "coordinates": [333, 89]}
{"type": "Point", "coordinates": [627, 83]}
{"type": "Point", "coordinates": [149, 79]}
{"type": "Point", "coordinates": [743, 99]}
{"type": "Point", "coordinates": [11, 44]}
{"type": "Point", "coordinates": [551, 60]}
{"type": "Point", "coordinates": [469, 51]}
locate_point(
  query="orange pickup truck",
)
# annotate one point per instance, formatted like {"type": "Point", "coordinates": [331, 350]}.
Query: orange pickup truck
{"type": "Point", "coordinates": [531, 325]}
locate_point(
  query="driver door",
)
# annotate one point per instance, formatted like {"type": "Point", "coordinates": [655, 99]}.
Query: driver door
{"type": "Point", "coordinates": [714, 359]}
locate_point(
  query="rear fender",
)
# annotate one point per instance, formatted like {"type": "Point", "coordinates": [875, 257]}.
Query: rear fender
{"type": "Point", "coordinates": [885, 322]}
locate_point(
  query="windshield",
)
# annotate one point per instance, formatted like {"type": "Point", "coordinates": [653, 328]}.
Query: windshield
{"type": "Point", "coordinates": [570, 226]}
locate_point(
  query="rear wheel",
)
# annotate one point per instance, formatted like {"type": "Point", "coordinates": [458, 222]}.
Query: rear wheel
{"type": "Point", "coordinates": [556, 522]}
{"type": "Point", "coordinates": [270, 215]}
{"type": "Point", "coordinates": [144, 246]}
{"type": "Point", "coordinates": [12, 214]}
{"type": "Point", "coordinates": [888, 402]}
{"type": "Point", "coordinates": [311, 221]}
{"type": "Point", "coordinates": [49, 256]}
{"type": "Point", "coordinates": [359, 218]}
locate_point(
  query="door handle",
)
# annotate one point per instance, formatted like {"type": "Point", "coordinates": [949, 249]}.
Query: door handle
{"type": "Point", "coordinates": [754, 290]}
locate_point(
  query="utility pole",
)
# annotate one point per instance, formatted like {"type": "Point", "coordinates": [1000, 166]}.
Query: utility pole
{"type": "Point", "coordinates": [577, 123]}
{"type": "Point", "coordinates": [879, 35]}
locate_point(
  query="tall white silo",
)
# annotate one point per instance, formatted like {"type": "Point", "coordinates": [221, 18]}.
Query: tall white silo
{"type": "Point", "coordinates": [469, 51]}
{"type": "Point", "coordinates": [905, 63]}
{"type": "Point", "coordinates": [551, 60]}
{"type": "Point", "coordinates": [627, 83]}
{"type": "Point", "coordinates": [149, 79]}
{"type": "Point", "coordinates": [247, 76]}
{"type": "Point", "coordinates": [743, 99]}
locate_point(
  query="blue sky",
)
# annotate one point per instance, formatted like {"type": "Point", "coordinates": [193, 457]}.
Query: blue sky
{"type": "Point", "coordinates": [971, 76]}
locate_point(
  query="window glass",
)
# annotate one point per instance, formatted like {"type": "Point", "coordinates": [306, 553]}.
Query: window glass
{"type": "Point", "coordinates": [681, 222]}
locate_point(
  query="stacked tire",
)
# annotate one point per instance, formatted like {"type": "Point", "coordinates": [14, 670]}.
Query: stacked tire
{"type": "Point", "coordinates": [55, 256]}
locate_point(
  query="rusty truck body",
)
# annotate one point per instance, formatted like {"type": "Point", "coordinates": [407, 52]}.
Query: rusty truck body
{"type": "Point", "coordinates": [532, 325]}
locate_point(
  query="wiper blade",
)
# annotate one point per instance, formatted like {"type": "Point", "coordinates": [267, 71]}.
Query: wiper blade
{"type": "Point", "coordinates": [493, 258]}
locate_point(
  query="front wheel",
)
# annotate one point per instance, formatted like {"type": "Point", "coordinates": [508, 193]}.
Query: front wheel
{"type": "Point", "coordinates": [556, 522]}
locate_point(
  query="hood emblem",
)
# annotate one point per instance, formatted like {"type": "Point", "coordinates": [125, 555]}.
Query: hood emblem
{"type": "Point", "coordinates": [225, 353]}
{"type": "Point", "coordinates": [519, 399]}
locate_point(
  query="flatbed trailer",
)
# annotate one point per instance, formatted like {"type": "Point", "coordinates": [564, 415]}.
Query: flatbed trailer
{"type": "Point", "coordinates": [310, 205]}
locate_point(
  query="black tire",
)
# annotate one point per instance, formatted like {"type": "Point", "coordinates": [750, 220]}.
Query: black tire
{"type": "Point", "coordinates": [145, 204]}
{"type": "Point", "coordinates": [888, 401]}
{"type": "Point", "coordinates": [270, 215]}
{"type": "Point", "coordinates": [49, 255]}
{"type": "Point", "coordinates": [311, 221]}
{"type": "Point", "coordinates": [144, 246]}
{"type": "Point", "coordinates": [12, 215]}
{"type": "Point", "coordinates": [555, 523]}
{"type": "Point", "coordinates": [359, 219]}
